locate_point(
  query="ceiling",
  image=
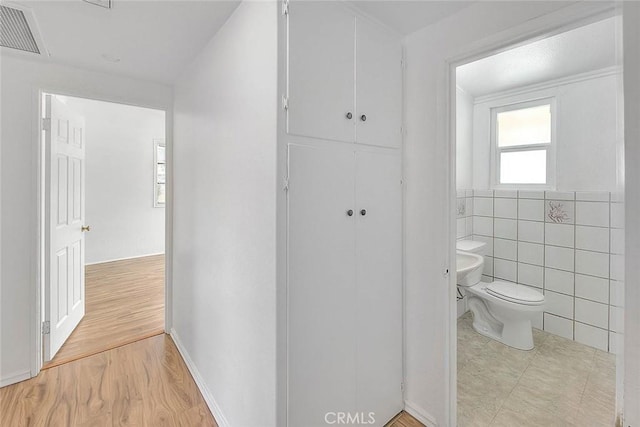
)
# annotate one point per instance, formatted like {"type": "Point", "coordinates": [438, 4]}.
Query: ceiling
{"type": "Point", "coordinates": [152, 40]}
{"type": "Point", "coordinates": [584, 49]}
{"type": "Point", "coordinates": [406, 17]}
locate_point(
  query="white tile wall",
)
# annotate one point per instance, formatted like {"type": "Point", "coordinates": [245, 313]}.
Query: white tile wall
{"type": "Point", "coordinates": [568, 245]}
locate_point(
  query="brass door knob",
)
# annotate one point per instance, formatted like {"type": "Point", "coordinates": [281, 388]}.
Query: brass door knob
{"type": "Point", "coordinates": [86, 228]}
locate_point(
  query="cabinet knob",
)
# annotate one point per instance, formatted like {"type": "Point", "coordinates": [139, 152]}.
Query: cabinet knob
{"type": "Point", "coordinates": [363, 212]}
{"type": "Point", "coordinates": [350, 212]}
{"type": "Point", "coordinates": [349, 115]}
{"type": "Point", "coordinates": [363, 118]}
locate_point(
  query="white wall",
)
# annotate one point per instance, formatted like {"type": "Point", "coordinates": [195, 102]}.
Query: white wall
{"type": "Point", "coordinates": [119, 180]}
{"type": "Point", "coordinates": [428, 291]}
{"type": "Point", "coordinates": [586, 135]}
{"type": "Point", "coordinates": [20, 79]}
{"type": "Point", "coordinates": [464, 139]}
{"type": "Point", "coordinates": [225, 217]}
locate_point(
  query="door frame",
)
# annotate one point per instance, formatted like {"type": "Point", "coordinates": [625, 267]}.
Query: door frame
{"type": "Point", "coordinates": [560, 21]}
{"type": "Point", "coordinates": [39, 189]}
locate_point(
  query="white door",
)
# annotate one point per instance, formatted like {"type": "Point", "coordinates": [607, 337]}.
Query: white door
{"type": "Point", "coordinates": [378, 86]}
{"type": "Point", "coordinates": [64, 289]}
{"type": "Point", "coordinates": [321, 285]}
{"type": "Point", "coordinates": [320, 77]}
{"type": "Point", "coordinates": [379, 283]}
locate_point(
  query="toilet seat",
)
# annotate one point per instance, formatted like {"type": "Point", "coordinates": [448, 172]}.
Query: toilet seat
{"type": "Point", "coordinates": [512, 292]}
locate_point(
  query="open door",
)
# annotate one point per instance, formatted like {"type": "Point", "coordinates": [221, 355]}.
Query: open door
{"type": "Point", "coordinates": [64, 198]}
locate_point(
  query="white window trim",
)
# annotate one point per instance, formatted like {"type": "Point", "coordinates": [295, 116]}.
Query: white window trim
{"type": "Point", "coordinates": [550, 148]}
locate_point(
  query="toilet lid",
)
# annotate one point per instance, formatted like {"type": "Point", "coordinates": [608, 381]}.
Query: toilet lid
{"type": "Point", "coordinates": [515, 293]}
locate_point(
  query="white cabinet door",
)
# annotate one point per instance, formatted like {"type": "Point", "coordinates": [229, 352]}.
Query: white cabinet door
{"type": "Point", "coordinates": [321, 61]}
{"type": "Point", "coordinates": [378, 86]}
{"type": "Point", "coordinates": [379, 284]}
{"type": "Point", "coordinates": [321, 285]}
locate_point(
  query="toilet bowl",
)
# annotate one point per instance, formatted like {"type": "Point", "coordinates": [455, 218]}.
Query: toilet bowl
{"type": "Point", "coordinates": [502, 310]}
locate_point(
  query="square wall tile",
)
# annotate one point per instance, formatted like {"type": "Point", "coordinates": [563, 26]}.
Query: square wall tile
{"type": "Point", "coordinates": [617, 267]}
{"type": "Point", "coordinates": [592, 263]}
{"type": "Point", "coordinates": [461, 228]}
{"type": "Point", "coordinates": [486, 279]}
{"type": "Point", "coordinates": [505, 228]}
{"type": "Point", "coordinates": [505, 249]}
{"type": "Point", "coordinates": [531, 253]}
{"type": "Point", "coordinates": [483, 193]}
{"type": "Point", "coordinates": [616, 293]}
{"type": "Point", "coordinates": [506, 193]}
{"type": "Point", "coordinates": [558, 326]}
{"type": "Point", "coordinates": [488, 250]}
{"type": "Point", "coordinates": [469, 203]}
{"type": "Point", "coordinates": [461, 208]}
{"type": "Point", "coordinates": [592, 213]}
{"type": "Point", "coordinates": [559, 195]}
{"type": "Point", "coordinates": [505, 208]}
{"type": "Point", "coordinates": [488, 266]}
{"type": "Point", "coordinates": [469, 193]}
{"type": "Point", "coordinates": [483, 206]}
{"type": "Point", "coordinates": [592, 288]}
{"type": "Point", "coordinates": [558, 281]}
{"type": "Point", "coordinates": [531, 275]}
{"type": "Point", "coordinates": [530, 231]}
{"type": "Point", "coordinates": [617, 215]}
{"type": "Point", "coordinates": [460, 193]}
{"type": "Point", "coordinates": [559, 258]}
{"type": "Point", "coordinates": [616, 319]}
{"type": "Point", "coordinates": [469, 225]}
{"type": "Point", "coordinates": [617, 197]}
{"type": "Point", "coordinates": [617, 241]}
{"type": "Point", "coordinates": [559, 211]}
{"type": "Point", "coordinates": [505, 270]}
{"type": "Point", "coordinates": [592, 313]}
{"type": "Point", "coordinates": [531, 210]}
{"type": "Point", "coordinates": [559, 234]}
{"type": "Point", "coordinates": [531, 194]}
{"type": "Point", "coordinates": [592, 238]}
{"type": "Point", "coordinates": [558, 304]}
{"type": "Point", "coordinates": [592, 196]}
{"type": "Point", "coordinates": [593, 337]}
{"type": "Point", "coordinates": [483, 225]}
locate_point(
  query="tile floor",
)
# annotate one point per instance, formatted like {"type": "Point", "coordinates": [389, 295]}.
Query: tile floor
{"type": "Point", "coordinates": [558, 383]}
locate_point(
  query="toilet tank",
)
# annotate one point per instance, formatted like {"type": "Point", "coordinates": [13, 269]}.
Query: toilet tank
{"type": "Point", "coordinates": [473, 246]}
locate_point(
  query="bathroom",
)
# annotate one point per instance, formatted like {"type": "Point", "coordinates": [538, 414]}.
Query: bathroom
{"type": "Point", "coordinates": [539, 167]}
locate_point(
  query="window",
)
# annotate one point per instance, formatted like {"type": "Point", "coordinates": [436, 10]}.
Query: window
{"type": "Point", "coordinates": [159, 173]}
{"type": "Point", "coordinates": [523, 144]}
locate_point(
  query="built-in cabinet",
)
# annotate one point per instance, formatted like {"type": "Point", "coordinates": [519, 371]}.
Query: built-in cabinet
{"type": "Point", "coordinates": [345, 287]}
{"type": "Point", "coordinates": [345, 76]}
{"type": "Point", "coordinates": [344, 217]}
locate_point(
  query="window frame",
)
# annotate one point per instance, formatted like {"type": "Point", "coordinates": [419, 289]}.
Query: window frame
{"type": "Point", "coordinates": [550, 148]}
{"type": "Point", "coordinates": [158, 142]}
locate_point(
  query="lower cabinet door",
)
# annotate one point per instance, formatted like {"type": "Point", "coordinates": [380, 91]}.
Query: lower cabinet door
{"type": "Point", "coordinates": [379, 285]}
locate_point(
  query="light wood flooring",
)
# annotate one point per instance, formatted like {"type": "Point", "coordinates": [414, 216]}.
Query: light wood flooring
{"type": "Point", "coordinates": [124, 302]}
{"type": "Point", "coordinates": [403, 419]}
{"type": "Point", "coordinates": [560, 383]}
{"type": "Point", "coordinates": [145, 383]}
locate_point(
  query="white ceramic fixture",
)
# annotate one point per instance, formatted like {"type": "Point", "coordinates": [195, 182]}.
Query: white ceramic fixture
{"type": "Point", "coordinates": [501, 310]}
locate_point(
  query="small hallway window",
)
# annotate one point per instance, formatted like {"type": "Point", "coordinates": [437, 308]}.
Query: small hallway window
{"type": "Point", "coordinates": [523, 144]}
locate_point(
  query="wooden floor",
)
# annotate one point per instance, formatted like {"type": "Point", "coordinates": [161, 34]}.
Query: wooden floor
{"type": "Point", "coordinates": [145, 383]}
{"type": "Point", "coordinates": [404, 420]}
{"type": "Point", "coordinates": [124, 303]}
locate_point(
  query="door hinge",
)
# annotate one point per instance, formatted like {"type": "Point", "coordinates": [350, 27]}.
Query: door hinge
{"type": "Point", "coordinates": [285, 103]}
{"type": "Point", "coordinates": [402, 386]}
{"type": "Point", "coordinates": [286, 184]}
{"type": "Point", "coordinates": [285, 7]}
{"type": "Point", "coordinates": [46, 327]}
{"type": "Point", "coordinates": [46, 124]}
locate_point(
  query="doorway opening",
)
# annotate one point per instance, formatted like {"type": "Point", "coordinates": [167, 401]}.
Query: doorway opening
{"type": "Point", "coordinates": [540, 226]}
{"type": "Point", "coordinates": [103, 180]}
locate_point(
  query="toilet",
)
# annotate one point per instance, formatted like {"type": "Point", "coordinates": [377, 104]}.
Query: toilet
{"type": "Point", "coordinates": [501, 310]}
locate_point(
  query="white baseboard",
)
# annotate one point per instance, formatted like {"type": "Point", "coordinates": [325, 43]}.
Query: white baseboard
{"type": "Point", "coordinates": [206, 394]}
{"type": "Point", "coordinates": [15, 378]}
{"type": "Point", "coordinates": [123, 259]}
{"type": "Point", "coordinates": [420, 414]}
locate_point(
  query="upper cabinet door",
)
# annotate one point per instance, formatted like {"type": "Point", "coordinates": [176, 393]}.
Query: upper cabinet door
{"type": "Point", "coordinates": [321, 62]}
{"type": "Point", "coordinates": [379, 86]}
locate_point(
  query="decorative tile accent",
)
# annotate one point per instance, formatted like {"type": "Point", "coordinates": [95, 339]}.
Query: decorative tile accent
{"type": "Point", "coordinates": [559, 211]}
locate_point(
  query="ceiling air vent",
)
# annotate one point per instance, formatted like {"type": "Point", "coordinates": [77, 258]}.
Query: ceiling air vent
{"type": "Point", "coordinates": [15, 32]}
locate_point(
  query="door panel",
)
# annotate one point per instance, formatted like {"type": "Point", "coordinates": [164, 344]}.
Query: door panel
{"type": "Point", "coordinates": [64, 289]}
{"type": "Point", "coordinates": [379, 279]}
{"type": "Point", "coordinates": [379, 86]}
{"type": "Point", "coordinates": [320, 78]}
{"type": "Point", "coordinates": [321, 285]}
